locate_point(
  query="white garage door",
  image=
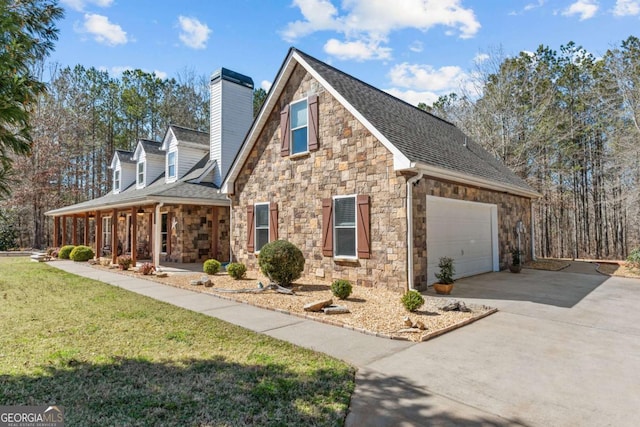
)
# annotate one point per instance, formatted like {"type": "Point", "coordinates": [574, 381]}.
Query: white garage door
{"type": "Point", "coordinates": [464, 231]}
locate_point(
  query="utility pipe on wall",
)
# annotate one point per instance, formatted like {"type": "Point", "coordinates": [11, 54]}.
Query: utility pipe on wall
{"type": "Point", "coordinates": [409, 215]}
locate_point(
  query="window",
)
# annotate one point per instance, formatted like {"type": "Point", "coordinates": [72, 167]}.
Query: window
{"type": "Point", "coordinates": [344, 226]}
{"type": "Point", "coordinates": [171, 165]}
{"type": "Point", "coordinates": [106, 231]}
{"type": "Point", "coordinates": [261, 225]}
{"type": "Point", "coordinates": [299, 128]}
{"type": "Point", "coordinates": [141, 174]}
{"type": "Point", "coordinates": [116, 180]}
{"type": "Point", "coordinates": [164, 232]}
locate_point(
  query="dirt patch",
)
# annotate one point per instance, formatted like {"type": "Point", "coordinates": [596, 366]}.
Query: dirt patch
{"type": "Point", "coordinates": [619, 270]}
{"type": "Point", "coordinates": [548, 264]}
{"type": "Point", "coordinates": [372, 310]}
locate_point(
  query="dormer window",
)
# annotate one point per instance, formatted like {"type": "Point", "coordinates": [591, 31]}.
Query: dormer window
{"type": "Point", "coordinates": [171, 165]}
{"type": "Point", "coordinates": [140, 175]}
{"type": "Point", "coordinates": [116, 181]}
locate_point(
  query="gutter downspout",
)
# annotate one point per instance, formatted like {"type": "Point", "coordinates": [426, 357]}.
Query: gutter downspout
{"type": "Point", "coordinates": [157, 238]}
{"type": "Point", "coordinates": [410, 183]}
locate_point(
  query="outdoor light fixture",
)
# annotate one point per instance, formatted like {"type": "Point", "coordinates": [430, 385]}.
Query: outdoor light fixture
{"type": "Point", "coordinates": [92, 215]}
{"type": "Point", "coordinates": [140, 212]}
{"type": "Point", "coordinates": [122, 217]}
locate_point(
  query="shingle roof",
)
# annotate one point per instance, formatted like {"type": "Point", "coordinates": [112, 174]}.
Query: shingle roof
{"type": "Point", "coordinates": [420, 136]}
{"type": "Point", "coordinates": [158, 190]}
{"type": "Point", "coordinates": [190, 135]}
{"type": "Point", "coordinates": [125, 156]}
{"type": "Point", "coordinates": [151, 147]}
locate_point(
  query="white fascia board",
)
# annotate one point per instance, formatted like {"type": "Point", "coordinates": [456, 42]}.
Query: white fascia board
{"type": "Point", "coordinates": [473, 180]}
{"type": "Point", "coordinates": [166, 141]}
{"type": "Point", "coordinates": [227, 186]}
{"type": "Point", "coordinates": [189, 201]}
{"type": "Point", "coordinates": [398, 157]}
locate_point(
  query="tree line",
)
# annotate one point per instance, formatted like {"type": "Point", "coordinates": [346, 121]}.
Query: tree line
{"type": "Point", "coordinates": [569, 124]}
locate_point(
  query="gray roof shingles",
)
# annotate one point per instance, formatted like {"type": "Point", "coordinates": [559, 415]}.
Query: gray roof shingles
{"type": "Point", "coordinates": [420, 136]}
{"type": "Point", "coordinates": [190, 135]}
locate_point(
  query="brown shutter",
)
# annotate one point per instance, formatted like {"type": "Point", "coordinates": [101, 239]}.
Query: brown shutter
{"type": "Point", "coordinates": [313, 123]}
{"type": "Point", "coordinates": [273, 222]}
{"type": "Point", "coordinates": [327, 227]}
{"type": "Point", "coordinates": [364, 227]}
{"type": "Point", "coordinates": [250, 229]}
{"type": "Point", "coordinates": [285, 132]}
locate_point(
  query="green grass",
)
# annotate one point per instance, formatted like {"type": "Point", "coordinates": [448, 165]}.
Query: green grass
{"type": "Point", "coordinates": [112, 357]}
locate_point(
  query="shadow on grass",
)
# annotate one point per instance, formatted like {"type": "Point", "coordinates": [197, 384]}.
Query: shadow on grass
{"type": "Point", "coordinates": [192, 392]}
{"type": "Point", "coordinates": [391, 401]}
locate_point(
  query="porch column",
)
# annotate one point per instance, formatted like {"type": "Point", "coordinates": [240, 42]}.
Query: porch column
{"type": "Point", "coordinates": [56, 231]}
{"type": "Point", "coordinates": [74, 238]}
{"type": "Point", "coordinates": [98, 235]}
{"type": "Point", "coordinates": [114, 236]}
{"type": "Point", "coordinates": [152, 247]}
{"type": "Point", "coordinates": [134, 236]}
{"type": "Point", "coordinates": [157, 238]}
{"type": "Point", "coordinates": [86, 229]}
{"type": "Point", "coordinates": [63, 240]}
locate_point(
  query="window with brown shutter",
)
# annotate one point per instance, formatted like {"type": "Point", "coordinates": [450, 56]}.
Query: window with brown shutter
{"type": "Point", "coordinates": [285, 134]}
{"type": "Point", "coordinates": [346, 227]}
{"type": "Point", "coordinates": [327, 227]}
{"type": "Point", "coordinates": [250, 229]}
{"type": "Point", "coordinates": [313, 123]}
{"type": "Point", "coordinates": [364, 227]}
{"type": "Point", "coordinates": [273, 222]}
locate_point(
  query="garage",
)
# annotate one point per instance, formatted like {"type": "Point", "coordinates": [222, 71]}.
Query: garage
{"type": "Point", "coordinates": [462, 230]}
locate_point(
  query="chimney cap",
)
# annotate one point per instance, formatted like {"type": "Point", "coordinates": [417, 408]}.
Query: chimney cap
{"type": "Point", "coordinates": [232, 76]}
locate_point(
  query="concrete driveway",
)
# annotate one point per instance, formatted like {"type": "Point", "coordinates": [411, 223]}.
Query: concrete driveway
{"type": "Point", "coordinates": [564, 350]}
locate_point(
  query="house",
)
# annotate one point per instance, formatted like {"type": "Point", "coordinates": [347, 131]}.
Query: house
{"type": "Point", "coordinates": [166, 204]}
{"type": "Point", "coordinates": [370, 188]}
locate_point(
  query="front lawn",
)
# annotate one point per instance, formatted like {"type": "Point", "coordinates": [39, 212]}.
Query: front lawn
{"type": "Point", "coordinates": [112, 357]}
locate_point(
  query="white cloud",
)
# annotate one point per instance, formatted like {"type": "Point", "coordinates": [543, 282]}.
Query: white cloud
{"type": "Point", "coordinates": [414, 97]}
{"type": "Point", "coordinates": [160, 74]}
{"type": "Point", "coordinates": [427, 78]}
{"type": "Point", "coordinates": [103, 30]}
{"type": "Point", "coordinates": [79, 5]}
{"type": "Point", "coordinates": [586, 9]}
{"type": "Point", "coordinates": [626, 8]}
{"type": "Point", "coordinates": [480, 58]}
{"type": "Point", "coordinates": [117, 70]}
{"type": "Point", "coordinates": [266, 85]}
{"type": "Point", "coordinates": [359, 50]}
{"type": "Point", "coordinates": [193, 34]}
{"type": "Point", "coordinates": [363, 22]}
{"type": "Point", "coordinates": [416, 46]}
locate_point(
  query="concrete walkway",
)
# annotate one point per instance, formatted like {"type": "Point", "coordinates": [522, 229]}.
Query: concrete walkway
{"type": "Point", "coordinates": [564, 350]}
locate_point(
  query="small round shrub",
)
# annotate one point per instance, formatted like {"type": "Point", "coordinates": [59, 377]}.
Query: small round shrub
{"type": "Point", "coordinates": [281, 261]}
{"type": "Point", "coordinates": [633, 260]}
{"type": "Point", "coordinates": [412, 300]}
{"type": "Point", "coordinates": [341, 289]}
{"type": "Point", "coordinates": [81, 253]}
{"type": "Point", "coordinates": [65, 251]}
{"type": "Point", "coordinates": [147, 268]}
{"type": "Point", "coordinates": [211, 266]}
{"type": "Point", "coordinates": [236, 270]}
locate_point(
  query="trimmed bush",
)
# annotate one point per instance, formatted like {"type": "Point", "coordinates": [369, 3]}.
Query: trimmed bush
{"type": "Point", "coordinates": [81, 253]}
{"type": "Point", "coordinates": [412, 300]}
{"type": "Point", "coordinates": [281, 261]}
{"type": "Point", "coordinates": [341, 289]}
{"type": "Point", "coordinates": [124, 261]}
{"type": "Point", "coordinates": [211, 266]}
{"type": "Point", "coordinates": [236, 270]}
{"type": "Point", "coordinates": [447, 270]}
{"type": "Point", "coordinates": [147, 268]}
{"type": "Point", "coordinates": [65, 251]}
{"type": "Point", "coordinates": [633, 260]}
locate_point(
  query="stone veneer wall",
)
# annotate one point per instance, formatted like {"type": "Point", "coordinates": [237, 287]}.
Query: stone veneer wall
{"type": "Point", "coordinates": [350, 161]}
{"type": "Point", "coordinates": [510, 209]}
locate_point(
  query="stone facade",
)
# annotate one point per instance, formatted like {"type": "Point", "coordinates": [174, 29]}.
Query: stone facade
{"type": "Point", "coordinates": [511, 209]}
{"type": "Point", "coordinates": [349, 161]}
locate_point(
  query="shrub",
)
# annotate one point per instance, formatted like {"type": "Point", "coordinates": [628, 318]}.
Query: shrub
{"type": "Point", "coordinates": [412, 300]}
{"type": "Point", "coordinates": [515, 256]}
{"type": "Point", "coordinates": [341, 289]}
{"type": "Point", "coordinates": [65, 251]}
{"type": "Point", "coordinates": [125, 261]}
{"type": "Point", "coordinates": [211, 266]}
{"type": "Point", "coordinates": [236, 270]}
{"type": "Point", "coordinates": [81, 253]}
{"type": "Point", "coordinates": [51, 251]}
{"type": "Point", "coordinates": [447, 270]}
{"type": "Point", "coordinates": [633, 260]}
{"type": "Point", "coordinates": [281, 261]}
{"type": "Point", "coordinates": [147, 268]}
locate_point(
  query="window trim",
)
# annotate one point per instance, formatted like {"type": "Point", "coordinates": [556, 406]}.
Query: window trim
{"type": "Point", "coordinates": [117, 180]}
{"type": "Point", "coordinates": [336, 256]}
{"type": "Point", "coordinates": [255, 225]}
{"type": "Point", "coordinates": [175, 165]}
{"type": "Point", "coordinates": [292, 129]}
{"type": "Point", "coordinates": [141, 183]}
{"type": "Point", "coordinates": [106, 231]}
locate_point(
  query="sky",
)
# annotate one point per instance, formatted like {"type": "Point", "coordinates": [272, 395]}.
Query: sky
{"type": "Point", "coordinates": [414, 49]}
